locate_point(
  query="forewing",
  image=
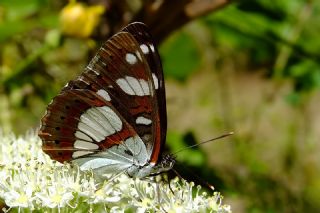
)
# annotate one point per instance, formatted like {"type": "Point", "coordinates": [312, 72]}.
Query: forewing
{"type": "Point", "coordinates": [141, 33]}
{"type": "Point", "coordinates": [120, 73]}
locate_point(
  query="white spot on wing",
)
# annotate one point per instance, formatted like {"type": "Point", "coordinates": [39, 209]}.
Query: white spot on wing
{"type": "Point", "coordinates": [79, 144]}
{"type": "Point", "coordinates": [81, 135]}
{"type": "Point", "coordinates": [131, 58]}
{"type": "Point", "coordinates": [152, 48]}
{"type": "Point", "coordinates": [77, 154]}
{"type": "Point", "coordinates": [112, 117]}
{"type": "Point", "coordinates": [143, 120]}
{"type": "Point", "coordinates": [98, 123]}
{"type": "Point", "coordinates": [155, 81]}
{"type": "Point", "coordinates": [123, 84]}
{"type": "Point", "coordinates": [102, 120]}
{"type": "Point", "coordinates": [133, 86]}
{"type": "Point", "coordinates": [86, 128]}
{"type": "Point", "coordinates": [145, 87]}
{"type": "Point", "coordinates": [104, 94]}
{"type": "Point", "coordinates": [144, 48]}
{"type": "Point", "coordinates": [93, 124]}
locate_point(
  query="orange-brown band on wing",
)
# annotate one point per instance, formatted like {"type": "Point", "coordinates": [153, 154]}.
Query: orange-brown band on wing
{"type": "Point", "coordinates": [117, 138]}
{"type": "Point", "coordinates": [157, 146]}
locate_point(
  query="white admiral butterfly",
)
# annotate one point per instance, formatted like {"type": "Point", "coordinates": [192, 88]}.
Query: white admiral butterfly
{"type": "Point", "coordinates": [112, 118]}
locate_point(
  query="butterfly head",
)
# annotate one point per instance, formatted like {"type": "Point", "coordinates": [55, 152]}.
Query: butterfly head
{"type": "Point", "coordinates": [166, 163]}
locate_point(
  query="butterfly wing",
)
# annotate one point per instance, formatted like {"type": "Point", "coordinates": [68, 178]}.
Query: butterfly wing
{"type": "Point", "coordinates": [119, 76]}
{"type": "Point", "coordinates": [82, 126]}
{"type": "Point", "coordinates": [141, 33]}
{"type": "Point", "coordinates": [80, 122]}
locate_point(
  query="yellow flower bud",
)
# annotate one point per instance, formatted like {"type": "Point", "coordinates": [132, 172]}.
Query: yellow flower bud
{"type": "Point", "coordinates": [80, 20]}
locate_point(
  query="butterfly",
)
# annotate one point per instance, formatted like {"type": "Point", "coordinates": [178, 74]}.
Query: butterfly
{"type": "Point", "coordinates": [112, 118]}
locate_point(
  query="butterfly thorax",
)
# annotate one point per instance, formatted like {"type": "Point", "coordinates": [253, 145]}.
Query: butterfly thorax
{"type": "Point", "coordinates": [166, 163]}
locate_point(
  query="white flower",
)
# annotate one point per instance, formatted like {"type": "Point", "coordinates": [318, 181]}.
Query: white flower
{"type": "Point", "coordinates": [19, 198]}
{"type": "Point", "coordinates": [55, 196]}
{"type": "Point", "coordinates": [30, 179]}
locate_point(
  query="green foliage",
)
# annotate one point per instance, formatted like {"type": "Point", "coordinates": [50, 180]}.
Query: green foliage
{"type": "Point", "coordinates": [273, 34]}
{"type": "Point", "coordinates": [180, 56]}
{"type": "Point", "coordinates": [306, 75]}
{"type": "Point", "coordinates": [16, 19]}
{"type": "Point", "coordinates": [190, 156]}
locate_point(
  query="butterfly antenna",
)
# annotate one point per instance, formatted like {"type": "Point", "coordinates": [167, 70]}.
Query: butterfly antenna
{"type": "Point", "coordinates": [207, 141]}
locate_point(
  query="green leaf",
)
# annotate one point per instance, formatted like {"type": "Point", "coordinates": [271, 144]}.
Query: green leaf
{"type": "Point", "coordinates": [306, 75]}
{"type": "Point", "coordinates": [18, 10]}
{"type": "Point", "coordinates": [180, 56]}
{"type": "Point", "coordinates": [9, 29]}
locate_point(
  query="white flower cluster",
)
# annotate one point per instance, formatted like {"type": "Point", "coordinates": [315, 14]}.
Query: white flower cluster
{"type": "Point", "coordinates": [30, 180]}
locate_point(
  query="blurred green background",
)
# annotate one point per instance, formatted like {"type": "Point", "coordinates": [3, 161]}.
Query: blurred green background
{"type": "Point", "coordinates": [251, 67]}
